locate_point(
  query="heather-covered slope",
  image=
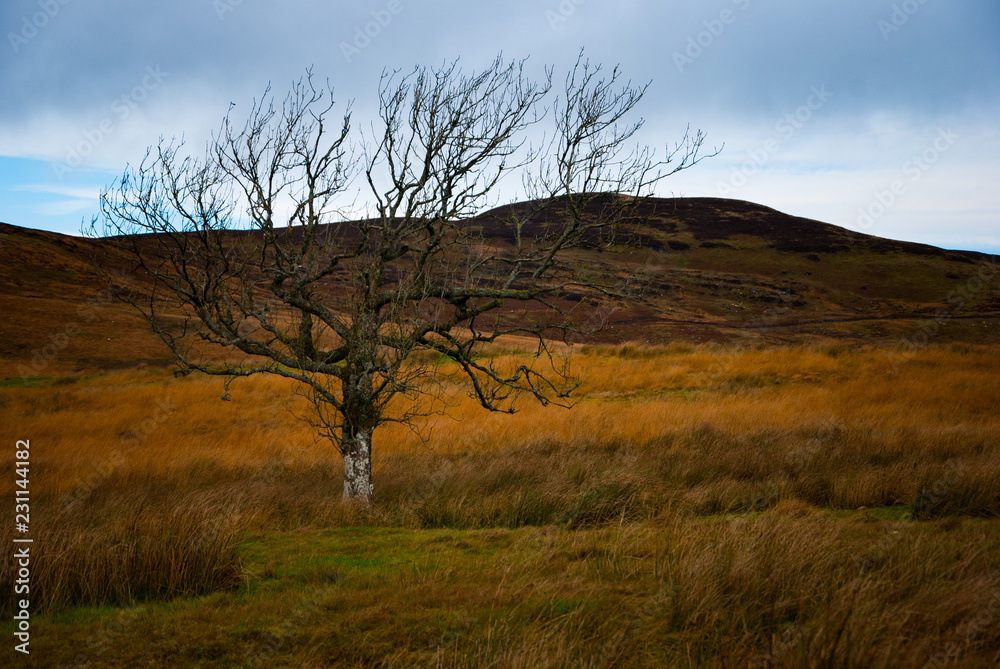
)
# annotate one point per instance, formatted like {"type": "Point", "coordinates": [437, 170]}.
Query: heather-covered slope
{"type": "Point", "coordinates": [714, 270]}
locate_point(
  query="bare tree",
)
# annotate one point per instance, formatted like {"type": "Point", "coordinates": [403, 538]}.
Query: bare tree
{"type": "Point", "coordinates": [258, 247]}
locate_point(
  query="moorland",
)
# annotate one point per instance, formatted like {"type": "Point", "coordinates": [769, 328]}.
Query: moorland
{"type": "Point", "coordinates": [785, 452]}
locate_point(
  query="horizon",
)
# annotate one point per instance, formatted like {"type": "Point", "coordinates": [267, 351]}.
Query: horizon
{"type": "Point", "coordinates": [79, 233]}
{"type": "Point", "coordinates": [884, 122]}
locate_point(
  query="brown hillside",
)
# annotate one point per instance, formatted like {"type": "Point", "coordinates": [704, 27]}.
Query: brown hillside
{"type": "Point", "coordinates": [715, 269]}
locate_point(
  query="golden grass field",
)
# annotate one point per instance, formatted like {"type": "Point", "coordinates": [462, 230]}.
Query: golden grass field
{"type": "Point", "coordinates": [700, 505]}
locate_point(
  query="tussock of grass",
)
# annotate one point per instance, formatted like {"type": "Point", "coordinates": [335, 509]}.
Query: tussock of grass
{"type": "Point", "coordinates": [131, 557]}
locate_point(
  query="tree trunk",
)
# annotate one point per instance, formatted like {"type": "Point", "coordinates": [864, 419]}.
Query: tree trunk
{"type": "Point", "coordinates": [357, 451]}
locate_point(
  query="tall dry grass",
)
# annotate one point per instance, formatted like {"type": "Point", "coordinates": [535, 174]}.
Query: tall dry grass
{"type": "Point", "coordinates": [788, 589]}
{"type": "Point", "coordinates": [128, 557]}
{"type": "Point", "coordinates": [125, 464]}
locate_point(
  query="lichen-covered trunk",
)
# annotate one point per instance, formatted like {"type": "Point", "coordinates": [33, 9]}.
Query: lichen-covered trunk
{"type": "Point", "coordinates": [360, 406]}
{"type": "Point", "coordinates": [357, 450]}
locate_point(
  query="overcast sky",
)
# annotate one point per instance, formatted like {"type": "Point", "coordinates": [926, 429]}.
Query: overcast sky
{"type": "Point", "coordinates": [875, 115]}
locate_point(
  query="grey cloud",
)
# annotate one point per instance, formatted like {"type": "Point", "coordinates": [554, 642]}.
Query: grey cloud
{"type": "Point", "coordinates": [946, 54]}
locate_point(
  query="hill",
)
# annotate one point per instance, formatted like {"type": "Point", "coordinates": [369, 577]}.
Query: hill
{"type": "Point", "coordinates": [715, 270]}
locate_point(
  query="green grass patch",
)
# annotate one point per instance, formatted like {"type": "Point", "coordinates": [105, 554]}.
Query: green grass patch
{"type": "Point", "coordinates": [640, 594]}
{"type": "Point", "coordinates": [27, 382]}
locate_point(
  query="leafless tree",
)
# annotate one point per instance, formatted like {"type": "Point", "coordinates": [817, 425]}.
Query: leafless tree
{"type": "Point", "coordinates": [309, 254]}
